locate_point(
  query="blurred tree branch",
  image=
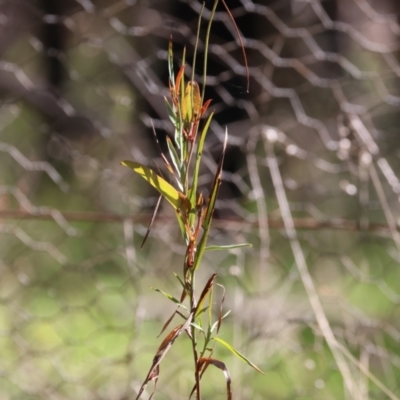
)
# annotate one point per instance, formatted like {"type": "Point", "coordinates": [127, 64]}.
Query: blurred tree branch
{"type": "Point", "coordinates": [226, 223]}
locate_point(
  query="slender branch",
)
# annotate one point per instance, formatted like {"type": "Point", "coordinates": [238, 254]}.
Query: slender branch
{"type": "Point", "coordinates": [206, 46]}
{"type": "Point", "coordinates": [197, 40]}
{"type": "Point", "coordinates": [196, 360]}
{"type": "Point", "coordinates": [231, 223]}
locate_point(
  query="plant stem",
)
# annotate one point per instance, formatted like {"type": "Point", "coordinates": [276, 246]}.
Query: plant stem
{"type": "Point", "coordinates": [206, 49]}
{"type": "Point", "coordinates": [193, 332]}
{"type": "Point", "coordinates": [196, 359]}
{"type": "Point", "coordinates": [197, 40]}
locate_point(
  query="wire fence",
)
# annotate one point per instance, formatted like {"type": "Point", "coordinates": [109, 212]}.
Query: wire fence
{"type": "Point", "coordinates": [310, 178]}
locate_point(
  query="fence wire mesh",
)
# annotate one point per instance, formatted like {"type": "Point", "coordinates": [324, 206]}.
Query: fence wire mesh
{"type": "Point", "coordinates": [311, 178]}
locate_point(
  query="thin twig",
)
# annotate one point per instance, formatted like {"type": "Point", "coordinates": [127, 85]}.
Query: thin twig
{"type": "Point", "coordinates": [241, 44]}
{"type": "Point", "coordinates": [206, 45]}
{"type": "Point", "coordinates": [232, 223]}
{"type": "Point", "coordinates": [305, 274]}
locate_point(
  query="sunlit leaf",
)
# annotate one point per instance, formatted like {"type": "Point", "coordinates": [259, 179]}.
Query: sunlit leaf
{"type": "Point", "coordinates": [237, 354]}
{"type": "Point", "coordinates": [175, 161]}
{"type": "Point", "coordinates": [197, 327]}
{"type": "Point", "coordinates": [202, 311]}
{"type": "Point", "coordinates": [165, 160]}
{"type": "Point", "coordinates": [179, 78]}
{"type": "Point", "coordinates": [179, 279]}
{"type": "Point", "coordinates": [168, 296]}
{"type": "Point", "coordinates": [171, 62]}
{"type": "Point", "coordinates": [171, 113]}
{"type": "Point", "coordinates": [177, 199]}
{"type": "Point", "coordinates": [191, 105]}
{"type": "Point", "coordinates": [213, 326]}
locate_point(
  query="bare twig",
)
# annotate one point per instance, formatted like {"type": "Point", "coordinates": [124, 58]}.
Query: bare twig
{"type": "Point", "coordinates": [231, 223]}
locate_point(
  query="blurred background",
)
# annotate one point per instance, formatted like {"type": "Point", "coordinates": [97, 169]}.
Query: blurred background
{"type": "Point", "coordinates": [310, 179]}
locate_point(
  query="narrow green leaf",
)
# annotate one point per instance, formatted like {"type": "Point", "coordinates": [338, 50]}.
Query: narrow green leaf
{"type": "Point", "coordinates": [215, 186]}
{"type": "Point", "coordinates": [182, 82]}
{"type": "Point", "coordinates": [176, 162]}
{"type": "Point", "coordinates": [177, 199]}
{"type": "Point", "coordinates": [191, 105]}
{"type": "Point", "coordinates": [171, 62]}
{"type": "Point", "coordinates": [210, 304]}
{"type": "Point", "coordinates": [168, 296]}
{"type": "Point", "coordinates": [213, 326]}
{"type": "Point", "coordinates": [197, 327]}
{"type": "Point", "coordinates": [179, 279]}
{"type": "Point", "coordinates": [210, 207]}
{"type": "Point", "coordinates": [237, 354]}
{"type": "Point", "coordinates": [221, 306]}
{"type": "Point", "coordinates": [199, 153]}
{"type": "Point", "coordinates": [228, 247]}
{"type": "Point", "coordinates": [171, 113]}
{"type": "Point", "coordinates": [202, 311]}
